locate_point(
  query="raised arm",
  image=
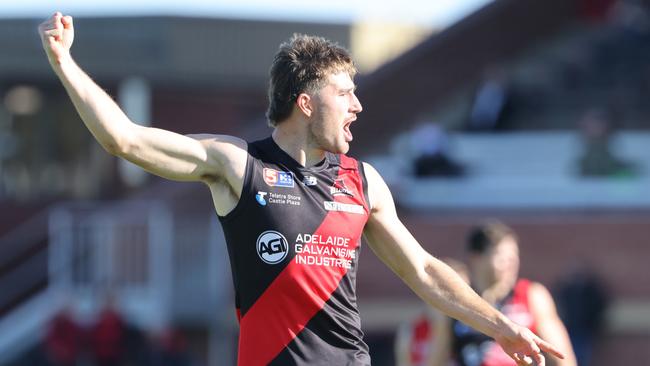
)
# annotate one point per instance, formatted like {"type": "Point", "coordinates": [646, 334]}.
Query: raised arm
{"type": "Point", "coordinates": [436, 283]}
{"type": "Point", "coordinates": [207, 158]}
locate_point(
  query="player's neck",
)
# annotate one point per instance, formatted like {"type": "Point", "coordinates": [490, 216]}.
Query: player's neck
{"type": "Point", "coordinates": [493, 292]}
{"type": "Point", "coordinates": [295, 143]}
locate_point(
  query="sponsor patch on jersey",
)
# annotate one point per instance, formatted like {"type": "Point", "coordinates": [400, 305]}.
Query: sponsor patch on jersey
{"type": "Point", "coordinates": [343, 207]}
{"type": "Point", "coordinates": [275, 178]}
{"type": "Point", "coordinates": [339, 188]}
{"type": "Point", "coordinates": [259, 197]}
{"type": "Point", "coordinates": [272, 247]}
{"type": "Point", "coordinates": [283, 199]}
{"type": "Point", "coordinates": [309, 180]}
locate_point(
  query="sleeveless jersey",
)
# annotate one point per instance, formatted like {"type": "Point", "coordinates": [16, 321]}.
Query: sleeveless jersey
{"type": "Point", "coordinates": [294, 240]}
{"type": "Point", "coordinates": [472, 348]}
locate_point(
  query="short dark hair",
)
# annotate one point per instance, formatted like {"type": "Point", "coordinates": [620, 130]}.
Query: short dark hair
{"type": "Point", "coordinates": [302, 65]}
{"type": "Point", "coordinates": [487, 234]}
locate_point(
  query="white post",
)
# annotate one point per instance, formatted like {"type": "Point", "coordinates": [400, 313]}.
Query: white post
{"type": "Point", "coordinates": [221, 332]}
{"type": "Point", "coordinates": [134, 96]}
{"type": "Point", "coordinates": [161, 233]}
{"type": "Point", "coordinates": [60, 247]}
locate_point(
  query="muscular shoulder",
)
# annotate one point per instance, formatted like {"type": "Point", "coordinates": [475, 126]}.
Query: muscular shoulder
{"type": "Point", "coordinates": [540, 300]}
{"type": "Point", "coordinates": [376, 186]}
{"type": "Point", "coordinates": [379, 196]}
{"type": "Point", "coordinates": [537, 291]}
{"type": "Point", "coordinates": [228, 154]}
{"type": "Point", "coordinates": [220, 143]}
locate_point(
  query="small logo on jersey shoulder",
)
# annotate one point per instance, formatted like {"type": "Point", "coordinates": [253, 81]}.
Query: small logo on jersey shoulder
{"type": "Point", "coordinates": [275, 178]}
{"type": "Point", "coordinates": [339, 188]}
{"type": "Point", "coordinates": [343, 207]}
{"type": "Point", "coordinates": [272, 247]}
{"type": "Point", "coordinates": [259, 197]}
{"type": "Point", "coordinates": [309, 180]}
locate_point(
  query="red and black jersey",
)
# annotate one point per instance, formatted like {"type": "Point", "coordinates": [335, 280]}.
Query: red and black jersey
{"type": "Point", "coordinates": [294, 240]}
{"type": "Point", "coordinates": [472, 348]}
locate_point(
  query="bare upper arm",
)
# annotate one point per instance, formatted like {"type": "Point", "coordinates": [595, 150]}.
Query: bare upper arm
{"type": "Point", "coordinates": [541, 302]}
{"type": "Point", "coordinates": [548, 323]}
{"type": "Point", "coordinates": [441, 351]}
{"type": "Point", "coordinates": [379, 197]}
{"type": "Point", "coordinates": [229, 155]}
{"type": "Point", "coordinates": [226, 185]}
{"type": "Point", "coordinates": [186, 158]}
{"type": "Point", "coordinates": [386, 234]}
{"type": "Point", "coordinates": [431, 279]}
{"type": "Point", "coordinates": [216, 160]}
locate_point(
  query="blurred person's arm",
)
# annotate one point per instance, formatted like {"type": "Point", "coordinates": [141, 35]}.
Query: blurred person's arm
{"type": "Point", "coordinates": [441, 347]}
{"type": "Point", "coordinates": [548, 323]}
{"type": "Point", "coordinates": [401, 346]}
{"type": "Point", "coordinates": [208, 158]}
{"type": "Point", "coordinates": [437, 283]}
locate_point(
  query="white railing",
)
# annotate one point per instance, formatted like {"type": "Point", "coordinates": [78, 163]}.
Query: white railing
{"type": "Point", "coordinates": [122, 249]}
{"type": "Point", "coordinates": [159, 267]}
{"type": "Point", "coordinates": [95, 249]}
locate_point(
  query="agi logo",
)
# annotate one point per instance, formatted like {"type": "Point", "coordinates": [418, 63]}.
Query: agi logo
{"type": "Point", "coordinates": [276, 178]}
{"type": "Point", "coordinates": [272, 247]}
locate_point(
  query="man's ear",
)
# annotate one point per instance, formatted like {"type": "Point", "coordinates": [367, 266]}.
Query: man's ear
{"type": "Point", "coordinates": [305, 104]}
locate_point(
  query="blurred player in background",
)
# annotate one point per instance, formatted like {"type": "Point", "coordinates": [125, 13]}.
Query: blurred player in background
{"type": "Point", "coordinates": [414, 344]}
{"type": "Point", "coordinates": [494, 274]}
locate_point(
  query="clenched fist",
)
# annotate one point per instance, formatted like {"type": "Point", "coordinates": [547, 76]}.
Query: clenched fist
{"type": "Point", "coordinates": [57, 34]}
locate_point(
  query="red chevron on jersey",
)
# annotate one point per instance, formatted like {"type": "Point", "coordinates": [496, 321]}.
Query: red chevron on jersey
{"type": "Point", "coordinates": [301, 290]}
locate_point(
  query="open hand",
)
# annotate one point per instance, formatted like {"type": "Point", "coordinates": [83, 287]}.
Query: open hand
{"type": "Point", "coordinates": [526, 348]}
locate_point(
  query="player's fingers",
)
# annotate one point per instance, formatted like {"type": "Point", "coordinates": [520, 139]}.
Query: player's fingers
{"type": "Point", "coordinates": [52, 33]}
{"type": "Point", "coordinates": [67, 22]}
{"type": "Point", "coordinates": [56, 18]}
{"type": "Point", "coordinates": [57, 22]}
{"type": "Point", "coordinates": [47, 24]}
{"type": "Point", "coordinates": [539, 359]}
{"type": "Point", "coordinates": [50, 30]}
{"type": "Point", "coordinates": [522, 360]}
{"type": "Point", "coordinates": [549, 348]}
{"type": "Point", "coordinates": [52, 42]}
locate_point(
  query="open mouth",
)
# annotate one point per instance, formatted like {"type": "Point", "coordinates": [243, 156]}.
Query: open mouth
{"type": "Point", "coordinates": [347, 133]}
{"type": "Point", "coordinates": [346, 130]}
